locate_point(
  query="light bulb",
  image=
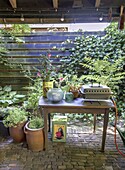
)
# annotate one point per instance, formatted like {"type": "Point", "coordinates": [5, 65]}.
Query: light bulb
{"type": "Point", "coordinates": [22, 18]}
{"type": "Point", "coordinates": [62, 19]}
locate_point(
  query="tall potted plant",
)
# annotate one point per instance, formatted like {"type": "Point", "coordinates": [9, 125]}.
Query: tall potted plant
{"type": "Point", "coordinates": [34, 127]}
{"type": "Point", "coordinates": [46, 72]}
{"type": "Point", "coordinates": [15, 120]}
{"type": "Point", "coordinates": [35, 133]}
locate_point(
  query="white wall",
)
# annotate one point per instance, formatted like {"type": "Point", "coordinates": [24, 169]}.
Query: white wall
{"type": "Point", "coordinates": [75, 27]}
{"type": "Point", "coordinates": [72, 27]}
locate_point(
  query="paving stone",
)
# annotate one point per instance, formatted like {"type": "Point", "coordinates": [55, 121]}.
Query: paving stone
{"type": "Point", "coordinates": [108, 168]}
{"type": "Point", "coordinates": [62, 167]}
{"type": "Point", "coordinates": [80, 152]}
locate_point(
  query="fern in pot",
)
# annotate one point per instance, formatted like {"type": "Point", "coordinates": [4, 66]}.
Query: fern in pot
{"type": "Point", "coordinates": [34, 130]}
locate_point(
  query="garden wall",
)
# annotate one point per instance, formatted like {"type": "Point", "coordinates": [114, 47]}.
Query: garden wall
{"type": "Point", "coordinates": [29, 51]}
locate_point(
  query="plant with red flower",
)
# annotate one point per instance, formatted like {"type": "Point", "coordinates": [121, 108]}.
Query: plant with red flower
{"type": "Point", "coordinates": [46, 70]}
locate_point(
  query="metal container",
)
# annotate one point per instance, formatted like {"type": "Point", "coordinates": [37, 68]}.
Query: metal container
{"type": "Point", "coordinates": [96, 91]}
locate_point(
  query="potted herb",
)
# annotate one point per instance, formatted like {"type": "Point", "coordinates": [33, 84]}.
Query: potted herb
{"type": "Point", "coordinates": [74, 85]}
{"type": "Point", "coordinates": [8, 98]}
{"type": "Point", "coordinates": [35, 133]}
{"type": "Point", "coordinates": [15, 120]}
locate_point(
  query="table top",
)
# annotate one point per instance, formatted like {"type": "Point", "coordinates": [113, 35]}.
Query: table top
{"type": "Point", "coordinates": [76, 103]}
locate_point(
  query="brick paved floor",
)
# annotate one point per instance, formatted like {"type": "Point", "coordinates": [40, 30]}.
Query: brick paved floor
{"type": "Point", "coordinates": [80, 152]}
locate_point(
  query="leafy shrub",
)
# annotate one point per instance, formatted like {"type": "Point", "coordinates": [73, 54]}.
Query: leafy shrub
{"type": "Point", "coordinates": [36, 123]}
{"type": "Point", "coordinates": [15, 116]}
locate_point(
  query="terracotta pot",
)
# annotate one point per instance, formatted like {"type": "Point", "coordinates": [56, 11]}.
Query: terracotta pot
{"type": "Point", "coordinates": [34, 138]}
{"type": "Point", "coordinates": [75, 93]}
{"type": "Point", "coordinates": [17, 133]}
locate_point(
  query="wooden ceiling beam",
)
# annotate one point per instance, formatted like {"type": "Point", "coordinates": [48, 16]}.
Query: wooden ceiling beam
{"type": "Point", "coordinates": [97, 3]}
{"type": "Point", "coordinates": [121, 10]}
{"type": "Point", "coordinates": [13, 3]}
{"type": "Point", "coordinates": [55, 4]}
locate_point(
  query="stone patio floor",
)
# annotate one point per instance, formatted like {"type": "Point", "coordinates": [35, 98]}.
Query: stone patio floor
{"type": "Point", "coordinates": [80, 152]}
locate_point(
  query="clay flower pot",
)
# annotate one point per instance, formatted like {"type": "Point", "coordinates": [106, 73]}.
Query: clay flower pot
{"type": "Point", "coordinates": [34, 138]}
{"type": "Point", "coordinates": [17, 133]}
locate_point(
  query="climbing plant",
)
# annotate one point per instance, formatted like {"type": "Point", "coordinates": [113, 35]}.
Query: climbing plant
{"type": "Point", "coordinates": [11, 33]}
{"type": "Point", "coordinates": [96, 48]}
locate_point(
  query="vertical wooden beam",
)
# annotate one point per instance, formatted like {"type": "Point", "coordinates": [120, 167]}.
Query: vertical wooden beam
{"type": "Point", "coordinates": [122, 18]}
{"type": "Point", "coordinates": [13, 3]}
{"type": "Point", "coordinates": [121, 10]}
{"type": "Point", "coordinates": [77, 4]}
{"type": "Point", "coordinates": [55, 4]}
{"type": "Point", "coordinates": [97, 3]}
{"type": "Point", "coordinates": [110, 14]}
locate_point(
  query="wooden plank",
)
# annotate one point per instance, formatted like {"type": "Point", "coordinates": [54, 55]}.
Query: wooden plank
{"type": "Point", "coordinates": [12, 76]}
{"type": "Point", "coordinates": [97, 3]}
{"type": "Point", "coordinates": [36, 53]}
{"type": "Point", "coordinates": [13, 3]}
{"type": "Point", "coordinates": [14, 83]}
{"type": "Point", "coordinates": [55, 4]}
{"type": "Point", "coordinates": [51, 33]}
{"type": "Point", "coordinates": [41, 39]}
{"type": "Point", "coordinates": [29, 52]}
{"type": "Point", "coordinates": [38, 46]}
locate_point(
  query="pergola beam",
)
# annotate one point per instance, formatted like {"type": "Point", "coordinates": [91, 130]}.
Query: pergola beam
{"type": "Point", "coordinates": [121, 10]}
{"type": "Point", "coordinates": [97, 3]}
{"type": "Point", "coordinates": [55, 4]}
{"type": "Point", "coordinates": [13, 3]}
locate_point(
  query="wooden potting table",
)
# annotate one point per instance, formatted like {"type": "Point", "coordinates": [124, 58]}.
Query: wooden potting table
{"type": "Point", "coordinates": [77, 106]}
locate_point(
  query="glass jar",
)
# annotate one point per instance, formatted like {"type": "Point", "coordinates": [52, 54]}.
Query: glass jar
{"type": "Point", "coordinates": [69, 97]}
{"type": "Point", "coordinates": [55, 95]}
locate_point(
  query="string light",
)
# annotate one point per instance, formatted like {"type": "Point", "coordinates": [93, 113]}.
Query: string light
{"type": "Point", "coordinates": [22, 18]}
{"type": "Point", "coordinates": [62, 18]}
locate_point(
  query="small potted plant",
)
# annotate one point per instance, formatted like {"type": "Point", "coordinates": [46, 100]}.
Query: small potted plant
{"type": "Point", "coordinates": [74, 86]}
{"type": "Point", "coordinates": [35, 133]}
{"type": "Point", "coordinates": [15, 120]}
{"type": "Point", "coordinates": [8, 98]}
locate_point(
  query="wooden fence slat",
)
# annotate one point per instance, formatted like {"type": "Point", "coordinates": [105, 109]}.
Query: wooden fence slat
{"type": "Point", "coordinates": [37, 53]}
{"type": "Point", "coordinates": [28, 53]}
{"type": "Point", "coordinates": [56, 46]}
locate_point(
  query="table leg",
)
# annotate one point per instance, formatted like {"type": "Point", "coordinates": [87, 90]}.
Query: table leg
{"type": "Point", "coordinates": [94, 123]}
{"type": "Point", "coordinates": [49, 122]}
{"type": "Point", "coordinates": [45, 128]}
{"type": "Point", "coordinates": [105, 124]}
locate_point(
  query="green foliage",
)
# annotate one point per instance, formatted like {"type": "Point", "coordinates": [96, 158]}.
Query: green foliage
{"type": "Point", "coordinates": [47, 70]}
{"type": "Point", "coordinates": [104, 72]}
{"type": "Point", "coordinates": [11, 33]}
{"type": "Point", "coordinates": [74, 82]}
{"type": "Point", "coordinates": [15, 116]}
{"type": "Point", "coordinates": [34, 93]}
{"type": "Point", "coordinates": [103, 58]}
{"type": "Point", "coordinates": [96, 47]}
{"type": "Point", "coordinates": [20, 29]}
{"type": "Point", "coordinates": [36, 123]}
{"type": "Point", "coordinates": [9, 97]}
